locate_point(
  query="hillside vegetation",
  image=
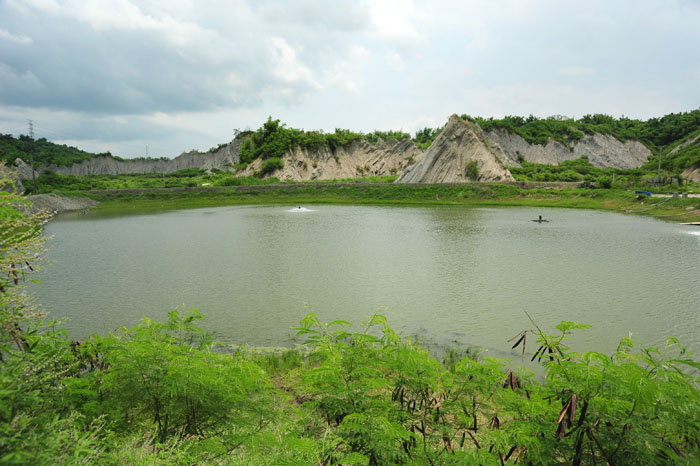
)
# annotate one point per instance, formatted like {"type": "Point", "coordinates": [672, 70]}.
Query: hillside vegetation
{"type": "Point", "coordinates": [655, 133]}
{"type": "Point", "coordinates": [44, 152]}
{"type": "Point", "coordinates": [273, 139]}
{"type": "Point", "coordinates": [166, 393]}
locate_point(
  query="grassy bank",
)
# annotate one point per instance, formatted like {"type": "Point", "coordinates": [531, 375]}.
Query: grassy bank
{"type": "Point", "coordinates": [165, 393]}
{"type": "Point", "coordinates": [160, 393]}
{"type": "Point", "coordinates": [476, 194]}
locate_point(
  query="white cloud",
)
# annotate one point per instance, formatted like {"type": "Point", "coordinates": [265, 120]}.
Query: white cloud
{"type": "Point", "coordinates": [397, 61]}
{"type": "Point", "coordinates": [11, 80]}
{"type": "Point", "coordinates": [576, 70]}
{"type": "Point", "coordinates": [20, 39]}
{"type": "Point", "coordinates": [349, 74]}
{"type": "Point", "coordinates": [47, 6]}
{"type": "Point", "coordinates": [287, 66]}
{"type": "Point", "coordinates": [183, 71]}
{"type": "Point", "coordinates": [393, 19]}
{"type": "Point", "coordinates": [544, 100]}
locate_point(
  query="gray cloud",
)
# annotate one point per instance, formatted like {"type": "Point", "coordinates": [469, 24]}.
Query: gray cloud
{"type": "Point", "coordinates": [81, 61]}
{"type": "Point", "coordinates": [182, 74]}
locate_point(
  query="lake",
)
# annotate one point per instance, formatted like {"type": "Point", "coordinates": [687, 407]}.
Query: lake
{"type": "Point", "coordinates": [451, 276]}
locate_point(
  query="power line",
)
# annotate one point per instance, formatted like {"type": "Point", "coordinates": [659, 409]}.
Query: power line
{"type": "Point", "coordinates": [31, 153]}
{"type": "Point", "coordinates": [128, 148]}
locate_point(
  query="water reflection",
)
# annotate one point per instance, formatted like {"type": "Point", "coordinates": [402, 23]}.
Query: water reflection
{"type": "Point", "coordinates": [450, 275]}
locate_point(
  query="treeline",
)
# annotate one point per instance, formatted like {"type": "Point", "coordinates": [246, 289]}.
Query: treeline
{"type": "Point", "coordinates": [274, 139]}
{"type": "Point", "coordinates": [425, 137]}
{"type": "Point", "coordinates": [582, 170]}
{"type": "Point", "coordinates": [655, 133]}
{"type": "Point", "coordinates": [687, 156]}
{"type": "Point", "coordinates": [42, 151]}
{"type": "Point", "coordinates": [47, 153]}
{"type": "Point", "coordinates": [51, 182]}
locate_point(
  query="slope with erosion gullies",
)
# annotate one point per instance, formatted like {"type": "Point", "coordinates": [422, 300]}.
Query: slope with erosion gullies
{"type": "Point", "coordinates": [606, 142]}
{"type": "Point", "coordinates": [220, 158]}
{"type": "Point", "coordinates": [458, 154]}
{"type": "Point", "coordinates": [602, 150]}
{"type": "Point", "coordinates": [359, 158]}
{"type": "Point", "coordinates": [685, 157]}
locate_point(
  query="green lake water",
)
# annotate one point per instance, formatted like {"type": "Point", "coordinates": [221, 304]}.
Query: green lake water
{"type": "Point", "coordinates": [451, 276]}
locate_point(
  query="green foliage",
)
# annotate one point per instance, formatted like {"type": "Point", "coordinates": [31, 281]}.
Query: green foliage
{"type": "Point", "coordinates": [425, 137]}
{"type": "Point", "coordinates": [579, 170]}
{"type": "Point", "coordinates": [269, 166]}
{"type": "Point", "coordinates": [654, 133]}
{"type": "Point", "coordinates": [375, 136]}
{"type": "Point", "coordinates": [687, 156]}
{"type": "Point", "coordinates": [43, 152]}
{"type": "Point", "coordinates": [274, 139]}
{"type": "Point", "coordinates": [187, 173]}
{"type": "Point", "coordinates": [471, 170]}
{"type": "Point", "coordinates": [39, 421]}
{"type": "Point", "coordinates": [604, 182]}
{"type": "Point", "coordinates": [52, 182]}
{"type": "Point", "coordinates": [246, 152]}
{"type": "Point", "coordinates": [390, 402]}
{"type": "Point", "coordinates": [159, 393]}
{"type": "Point", "coordinates": [533, 130]}
{"type": "Point", "coordinates": [165, 374]}
{"type": "Point", "coordinates": [231, 180]}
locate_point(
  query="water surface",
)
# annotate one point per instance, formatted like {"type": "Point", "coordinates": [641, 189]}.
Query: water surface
{"type": "Point", "coordinates": [450, 275]}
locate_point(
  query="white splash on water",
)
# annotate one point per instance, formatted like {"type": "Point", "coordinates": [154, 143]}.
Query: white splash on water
{"type": "Point", "coordinates": [300, 209]}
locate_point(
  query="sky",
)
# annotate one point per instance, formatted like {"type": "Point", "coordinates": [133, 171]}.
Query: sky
{"type": "Point", "coordinates": [161, 77]}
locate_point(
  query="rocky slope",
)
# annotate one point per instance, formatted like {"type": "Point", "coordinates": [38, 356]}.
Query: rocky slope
{"type": "Point", "coordinates": [603, 150]}
{"type": "Point", "coordinates": [689, 142]}
{"type": "Point", "coordinates": [692, 174]}
{"type": "Point", "coordinates": [357, 159]}
{"type": "Point", "coordinates": [107, 165]}
{"type": "Point", "coordinates": [10, 181]}
{"type": "Point", "coordinates": [446, 159]}
{"type": "Point", "coordinates": [58, 204]}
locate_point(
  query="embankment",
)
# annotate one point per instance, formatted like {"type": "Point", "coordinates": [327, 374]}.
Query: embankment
{"type": "Point", "coordinates": [56, 203]}
{"type": "Point", "coordinates": [445, 194]}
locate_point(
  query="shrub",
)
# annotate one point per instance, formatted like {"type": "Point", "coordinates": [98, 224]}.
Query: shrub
{"type": "Point", "coordinates": [187, 173]}
{"type": "Point", "coordinates": [166, 374]}
{"type": "Point", "coordinates": [604, 182]}
{"type": "Point", "coordinates": [471, 170]}
{"type": "Point", "coordinates": [270, 166]}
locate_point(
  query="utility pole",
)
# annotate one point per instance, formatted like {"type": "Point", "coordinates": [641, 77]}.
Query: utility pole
{"type": "Point", "coordinates": [31, 153]}
{"type": "Point", "coordinates": [658, 171]}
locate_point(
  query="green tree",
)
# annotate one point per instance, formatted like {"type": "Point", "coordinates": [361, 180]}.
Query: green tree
{"type": "Point", "coordinates": [38, 424]}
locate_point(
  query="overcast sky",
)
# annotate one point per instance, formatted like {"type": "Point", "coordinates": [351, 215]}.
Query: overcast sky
{"type": "Point", "coordinates": [176, 75]}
